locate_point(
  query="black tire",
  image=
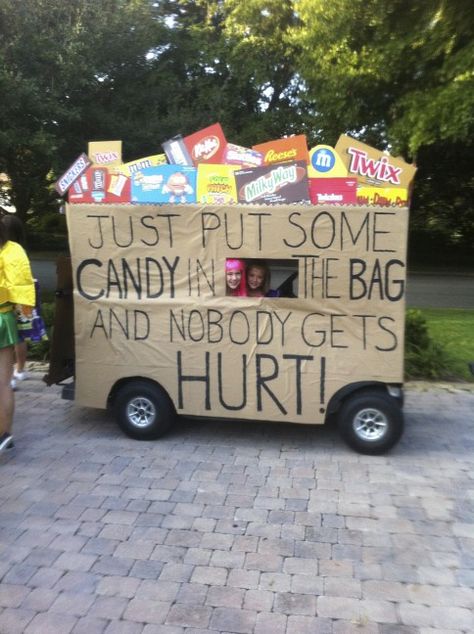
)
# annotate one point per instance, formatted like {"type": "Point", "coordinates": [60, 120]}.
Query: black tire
{"type": "Point", "coordinates": [370, 422]}
{"type": "Point", "coordinates": [143, 410]}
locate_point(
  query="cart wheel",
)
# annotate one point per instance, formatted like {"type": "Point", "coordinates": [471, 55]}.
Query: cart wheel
{"type": "Point", "coordinates": [143, 410]}
{"type": "Point", "coordinates": [370, 422]}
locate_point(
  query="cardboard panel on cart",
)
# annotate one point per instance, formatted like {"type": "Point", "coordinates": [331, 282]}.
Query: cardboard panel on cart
{"type": "Point", "coordinates": [150, 300]}
{"type": "Point", "coordinates": [276, 363]}
{"type": "Point", "coordinates": [211, 234]}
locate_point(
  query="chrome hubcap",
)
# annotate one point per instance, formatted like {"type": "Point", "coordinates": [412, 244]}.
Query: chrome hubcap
{"type": "Point", "coordinates": [370, 424]}
{"type": "Point", "coordinates": [141, 412]}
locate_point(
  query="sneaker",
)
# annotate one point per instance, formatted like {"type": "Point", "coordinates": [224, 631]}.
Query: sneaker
{"type": "Point", "coordinates": [21, 376]}
{"type": "Point", "coordinates": [13, 384]}
{"type": "Point", "coordinates": [6, 441]}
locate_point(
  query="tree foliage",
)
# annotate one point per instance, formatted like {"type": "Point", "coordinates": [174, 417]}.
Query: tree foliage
{"type": "Point", "coordinates": [136, 70]}
{"type": "Point", "coordinates": [60, 62]}
{"type": "Point", "coordinates": [399, 71]}
{"type": "Point", "coordinates": [395, 73]}
{"type": "Point", "coordinates": [400, 74]}
{"type": "Point", "coordinates": [228, 63]}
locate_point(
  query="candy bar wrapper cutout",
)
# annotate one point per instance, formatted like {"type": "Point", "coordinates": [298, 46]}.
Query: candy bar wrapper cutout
{"type": "Point", "coordinates": [292, 148]}
{"type": "Point", "coordinates": [207, 145]}
{"type": "Point", "coordinates": [238, 155]}
{"type": "Point", "coordinates": [333, 191]}
{"type": "Point", "coordinates": [270, 184]}
{"type": "Point", "coordinates": [176, 151]}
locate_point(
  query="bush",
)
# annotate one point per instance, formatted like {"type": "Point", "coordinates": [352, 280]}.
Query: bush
{"type": "Point", "coordinates": [424, 357]}
{"type": "Point", "coordinates": [50, 222]}
{"type": "Point", "coordinates": [43, 241]}
{"type": "Point", "coordinates": [47, 232]}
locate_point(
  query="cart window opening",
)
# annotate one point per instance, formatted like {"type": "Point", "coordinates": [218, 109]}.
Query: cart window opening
{"type": "Point", "coordinates": [247, 277]}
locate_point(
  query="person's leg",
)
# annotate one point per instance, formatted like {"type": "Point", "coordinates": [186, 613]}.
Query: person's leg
{"type": "Point", "coordinates": [6, 394]}
{"type": "Point", "coordinates": [21, 349]}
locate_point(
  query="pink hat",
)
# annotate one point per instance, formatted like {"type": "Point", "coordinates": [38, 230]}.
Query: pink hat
{"type": "Point", "coordinates": [232, 264]}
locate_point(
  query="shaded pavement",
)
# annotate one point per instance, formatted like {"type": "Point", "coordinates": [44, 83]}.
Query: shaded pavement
{"type": "Point", "coordinates": [236, 527]}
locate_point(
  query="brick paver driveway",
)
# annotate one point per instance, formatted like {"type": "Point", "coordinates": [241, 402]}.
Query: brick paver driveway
{"type": "Point", "coordinates": [245, 528]}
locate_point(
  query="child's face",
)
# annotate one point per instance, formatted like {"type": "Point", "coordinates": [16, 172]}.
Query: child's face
{"type": "Point", "coordinates": [255, 278]}
{"type": "Point", "coordinates": [233, 279]}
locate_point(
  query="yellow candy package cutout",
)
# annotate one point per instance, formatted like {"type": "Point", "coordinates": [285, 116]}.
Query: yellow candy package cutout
{"type": "Point", "coordinates": [325, 162]}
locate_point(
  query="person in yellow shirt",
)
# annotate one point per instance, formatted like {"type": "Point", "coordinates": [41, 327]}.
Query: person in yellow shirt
{"type": "Point", "coordinates": [16, 287]}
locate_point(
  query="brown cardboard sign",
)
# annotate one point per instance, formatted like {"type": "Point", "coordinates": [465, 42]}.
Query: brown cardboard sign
{"type": "Point", "coordinates": [150, 301]}
{"type": "Point", "coordinates": [374, 167]}
{"type": "Point", "coordinates": [270, 184]}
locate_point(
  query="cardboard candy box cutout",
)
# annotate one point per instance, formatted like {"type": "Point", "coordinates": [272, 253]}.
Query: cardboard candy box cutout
{"type": "Point", "coordinates": [204, 167]}
{"type": "Point", "coordinates": [164, 184]}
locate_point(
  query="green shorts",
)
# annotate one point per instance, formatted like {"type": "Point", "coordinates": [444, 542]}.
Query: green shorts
{"type": "Point", "coordinates": [8, 330]}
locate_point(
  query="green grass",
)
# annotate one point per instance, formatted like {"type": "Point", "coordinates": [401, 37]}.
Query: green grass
{"type": "Point", "coordinates": [453, 328]}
